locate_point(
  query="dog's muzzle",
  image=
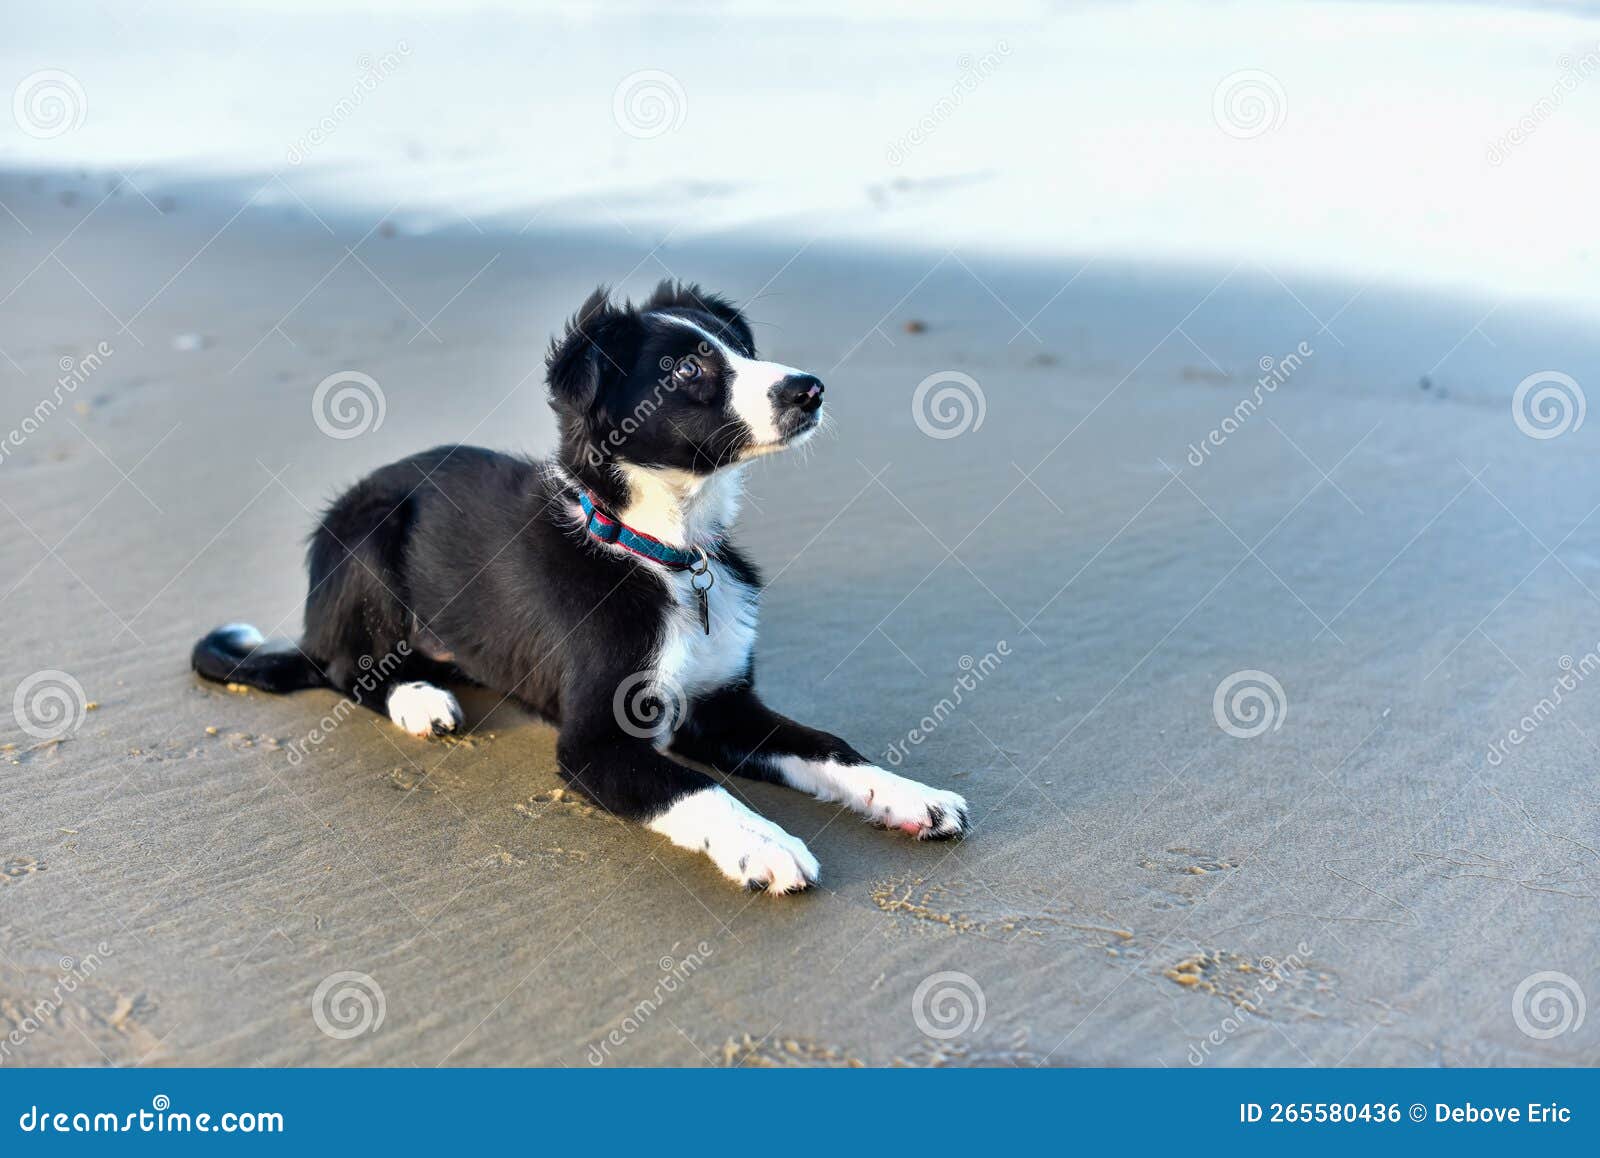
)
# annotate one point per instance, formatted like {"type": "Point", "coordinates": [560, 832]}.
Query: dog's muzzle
{"type": "Point", "coordinates": [796, 402]}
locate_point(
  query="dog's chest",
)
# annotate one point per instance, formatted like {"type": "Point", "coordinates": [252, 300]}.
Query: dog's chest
{"type": "Point", "coordinates": [694, 661]}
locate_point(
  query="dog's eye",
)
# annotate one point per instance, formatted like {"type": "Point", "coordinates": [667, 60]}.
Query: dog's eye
{"type": "Point", "coordinates": [687, 370]}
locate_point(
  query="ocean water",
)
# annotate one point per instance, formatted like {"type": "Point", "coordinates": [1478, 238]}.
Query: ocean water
{"type": "Point", "coordinates": [1443, 145]}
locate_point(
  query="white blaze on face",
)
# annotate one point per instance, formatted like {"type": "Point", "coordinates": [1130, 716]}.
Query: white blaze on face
{"type": "Point", "coordinates": [750, 393]}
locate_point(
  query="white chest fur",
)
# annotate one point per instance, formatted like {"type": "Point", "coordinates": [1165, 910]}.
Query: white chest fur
{"type": "Point", "coordinates": [690, 662]}
{"type": "Point", "coordinates": [677, 507]}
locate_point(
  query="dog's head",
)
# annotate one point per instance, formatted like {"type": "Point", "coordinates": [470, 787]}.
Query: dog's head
{"type": "Point", "coordinates": [674, 383]}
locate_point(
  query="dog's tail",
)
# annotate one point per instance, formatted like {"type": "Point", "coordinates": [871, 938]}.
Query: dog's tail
{"type": "Point", "coordinates": [235, 653]}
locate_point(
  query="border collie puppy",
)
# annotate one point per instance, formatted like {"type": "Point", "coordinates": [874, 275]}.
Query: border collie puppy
{"type": "Point", "coordinates": [601, 589]}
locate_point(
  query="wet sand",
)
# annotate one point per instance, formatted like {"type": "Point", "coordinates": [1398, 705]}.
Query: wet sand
{"type": "Point", "coordinates": [1360, 883]}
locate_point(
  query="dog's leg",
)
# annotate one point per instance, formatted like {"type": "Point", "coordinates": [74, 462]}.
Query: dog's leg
{"type": "Point", "coordinates": [735, 733]}
{"type": "Point", "coordinates": [625, 775]}
{"type": "Point", "coordinates": [359, 628]}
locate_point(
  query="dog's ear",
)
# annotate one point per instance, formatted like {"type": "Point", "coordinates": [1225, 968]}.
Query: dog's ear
{"type": "Point", "coordinates": [689, 296]}
{"type": "Point", "coordinates": [599, 342]}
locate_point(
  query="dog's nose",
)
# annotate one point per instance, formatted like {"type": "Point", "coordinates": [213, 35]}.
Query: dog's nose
{"type": "Point", "coordinates": [802, 391]}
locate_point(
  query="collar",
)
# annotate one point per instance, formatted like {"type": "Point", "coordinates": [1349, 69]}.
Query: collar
{"type": "Point", "coordinates": [606, 529]}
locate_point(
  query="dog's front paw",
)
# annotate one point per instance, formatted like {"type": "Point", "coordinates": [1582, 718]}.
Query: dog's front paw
{"type": "Point", "coordinates": [748, 848]}
{"type": "Point", "coordinates": [926, 813]}
{"type": "Point", "coordinates": [424, 710]}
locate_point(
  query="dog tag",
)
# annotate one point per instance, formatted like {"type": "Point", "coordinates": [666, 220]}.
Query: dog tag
{"type": "Point", "coordinates": [697, 572]}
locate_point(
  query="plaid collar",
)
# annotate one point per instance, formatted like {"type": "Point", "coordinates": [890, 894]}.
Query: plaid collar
{"type": "Point", "coordinates": [606, 529]}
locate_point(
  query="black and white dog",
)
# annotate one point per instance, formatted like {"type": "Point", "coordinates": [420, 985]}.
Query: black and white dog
{"type": "Point", "coordinates": [599, 589]}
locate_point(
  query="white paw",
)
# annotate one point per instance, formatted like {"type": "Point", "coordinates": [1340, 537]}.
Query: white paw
{"type": "Point", "coordinates": [424, 710]}
{"type": "Point", "coordinates": [923, 812]}
{"type": "Point", "coordinates": [748, 848]}
{"type": "Point", "coordinates": [884, 798]}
